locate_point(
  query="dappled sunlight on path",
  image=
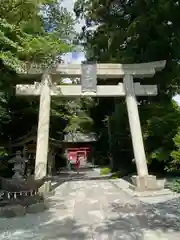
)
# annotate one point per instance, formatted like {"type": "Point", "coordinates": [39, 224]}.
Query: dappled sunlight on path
{"type": "Point", "coordinates": [96, 209]}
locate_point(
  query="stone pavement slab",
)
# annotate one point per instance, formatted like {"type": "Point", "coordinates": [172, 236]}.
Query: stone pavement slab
{"type": "Point", "coordinates": [95, 210]}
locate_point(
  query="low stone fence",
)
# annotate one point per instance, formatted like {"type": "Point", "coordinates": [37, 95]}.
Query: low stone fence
{"type": "Point", "coordinates": [20, 197]}
{"type": "Point", "coordinates": [16, 195]}
{"type": "Point", "coordinates": [15, 204]}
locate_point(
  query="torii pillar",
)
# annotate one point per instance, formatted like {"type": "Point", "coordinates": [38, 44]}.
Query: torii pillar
{"type": "Point", "coordinates": [135, 127]}
{"type": "Point", "coordinates": [42, 145]}
{"type": "Point", "coordinates": [143, 180]}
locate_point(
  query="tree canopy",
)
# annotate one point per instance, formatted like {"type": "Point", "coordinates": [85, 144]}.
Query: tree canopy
{"type": "Point", "coordinates": [133, 31]}
{"type": "Point", "coordinates": [30, 32]}
{"type": "Point", "coordinates": [33, 31]}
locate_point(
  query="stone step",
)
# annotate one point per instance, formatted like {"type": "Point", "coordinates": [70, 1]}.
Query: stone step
{"type": "Point", "coordinates": [157, 199]}
{"type": "Point", "coordinates": [153, 193]}
{"type": "Point", "coordinates": [144, 195]}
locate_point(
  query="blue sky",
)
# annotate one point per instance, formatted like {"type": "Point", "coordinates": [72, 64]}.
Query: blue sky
{"type": "Point", "coordinates": [177, 99]}
{"type": "Point", "coordinates": [76, 57]}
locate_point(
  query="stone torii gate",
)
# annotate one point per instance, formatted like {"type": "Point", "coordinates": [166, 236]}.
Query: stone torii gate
{"type": "Point", "coordinates": [48, 88]}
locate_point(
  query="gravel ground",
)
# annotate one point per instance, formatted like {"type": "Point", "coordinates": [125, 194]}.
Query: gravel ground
{"type": "Point", "coordinates": [96, 210]}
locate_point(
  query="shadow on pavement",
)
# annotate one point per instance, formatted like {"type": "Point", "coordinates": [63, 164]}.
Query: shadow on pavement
{"type": "Point", "coordinates": [85, 174]}
{"type": "Point", "coordinates": [143, 220]}
{"type": "Point", "coordinates": [44, 226]}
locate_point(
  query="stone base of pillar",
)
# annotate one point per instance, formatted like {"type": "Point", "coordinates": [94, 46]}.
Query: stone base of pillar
{"type": "Point", "coordinates": [146, 183]}
{"type": "Point", "coordinates": [45, 188]}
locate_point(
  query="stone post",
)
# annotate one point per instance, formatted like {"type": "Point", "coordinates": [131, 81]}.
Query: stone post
{"type": "Point", "coordinates": [135, 127]}
{"type": "Point", "coordinates": [43, 129]}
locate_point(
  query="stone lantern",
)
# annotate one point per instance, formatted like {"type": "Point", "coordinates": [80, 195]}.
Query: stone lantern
{"type": "Point", "coordinates": [19, 165]}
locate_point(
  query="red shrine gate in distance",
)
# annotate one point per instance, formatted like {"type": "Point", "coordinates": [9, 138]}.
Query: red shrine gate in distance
{"type": "Point", "coordinates": [73, 153]}
{"type": "Point", "coordinates": [79, 145]}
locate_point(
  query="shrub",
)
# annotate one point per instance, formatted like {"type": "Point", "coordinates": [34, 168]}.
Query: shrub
{"type": "Point", "coordinates": [175, 185]}
{"type": "Point", "coordinates": [175, 163]}
{"type": "Point", "coordinates": [105, 171]}
{"type": "Point", "coordinates": [115, 175]}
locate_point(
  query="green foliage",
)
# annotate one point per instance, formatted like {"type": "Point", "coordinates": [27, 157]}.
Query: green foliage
{"type": "Point", "coordinates": [174, 185]}
{"type": "Point", "coordinates": [10, 47]}
{"type": "Point", "coordinates": [105, 171]}
{"type": "Point", "coordinates": [3, 152]}
{"type": "Point", "coordinates": [115, 175]}
{"type": "Point", "coordinates": [79, 116]}
{"type": "Point", "coordinates": [33, 31]}
{"type": "Point", "coordinates": [175, 163]}
{"type": "Point", "coordinates": [134, 31]}
{"type": "Point", "coordinates": [160, 129]}
{"type": "Point", "coordinates": [79, 123]}
{"type": "Point", "coordinates": [30, 32]}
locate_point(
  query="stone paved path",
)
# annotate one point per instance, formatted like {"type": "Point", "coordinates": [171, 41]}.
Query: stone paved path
{"type": "Point", "coordinates": [97, 210]}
